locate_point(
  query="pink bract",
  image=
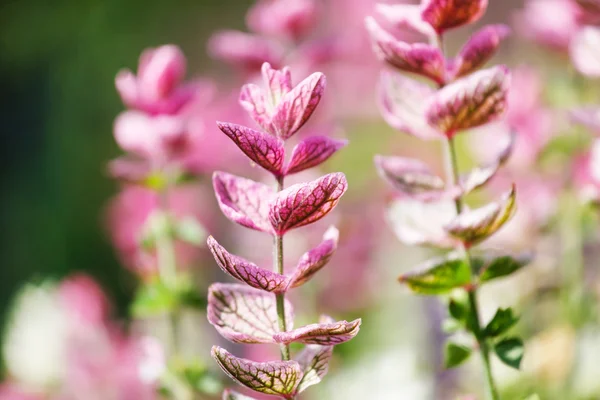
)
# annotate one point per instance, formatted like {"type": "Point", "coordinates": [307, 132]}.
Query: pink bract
{"type": "Point", "coordinates": [283, 18]}
{"type": "Point", "coordinates": [446, 14]}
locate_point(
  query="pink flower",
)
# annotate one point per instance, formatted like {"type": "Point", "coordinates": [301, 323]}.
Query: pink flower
{"type": "Point", "coordinates": [585, 49]}
{"type": "Point", "coordinates": [550, 22]}
{"type": "Point", "coordinates": [282, 18]}
{"type": "Point", "coordinates": [158, 87]}
{"type": "Point", "coordinates": [246, 51]}
{"type": "Point", "coordinates": [84, 300]}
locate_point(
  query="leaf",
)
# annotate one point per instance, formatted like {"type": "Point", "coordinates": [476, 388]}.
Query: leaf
{"type": "Point", "coordinates": [305, 203]}
{"type": "Point", "coordinates": [244, 315]}
{"type": "Point", "coordinates": [229, 394]}
{"type": "Point", "coordinates": [474, 226]}
{"type": "Point", "coordinates": [510, 351]}
{"type": "Point", "coordinates": [455, 354]}
{"type": "Point", "coordinates": [189, 230]}
{"type": "Point", "coordinates": [413, 179]}
{"type": "Point", "coordinates": [265, 150]}
{"type": "Point", "coordinates": [534, 396]}
{"type": "Point", "coordinates": [418, 58]}
{"type": "Point", "coordinates": [274, 377]}
{"type": "Point", "coordinates": [447, 14]}
{"type": "Point", "coordinates": [278, 82]}
{"type": "Point", "coordinates": [154, 298]}
{"type": "Point", "coordinates": [243, 201]}
{"type": "Point", "coordinates": [324, 334]}
{"type": "Point", "coordinates": [470, 102]}
{"type": "Point", "coordinates": [502, 321]}
{"type": "Point", "coordinates": [438, 276]}
{"type": "Point", "coordinates": [501, 266]}
{"type": "Point", "coordinates": [458, 310]}
{"type": "Point", "coordinates": [314, 360]}
{"type": "Point", "coordinates": [403, 103]}
{"type": "Point", "coordinates": [479, 49]}
{"type": "Point", "coordinates": [246, 271]}
{"type": "Point", "coordinates": [312, 261]}
{"type": "Point", "coordinates": [311, 152]}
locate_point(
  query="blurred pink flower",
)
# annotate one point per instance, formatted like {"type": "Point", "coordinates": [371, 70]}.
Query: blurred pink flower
{"type": "Point", "coordinates": [585, 51]}
{"type": "Point", "coordinates": [246, 51]}
{"type": "Point", "coordinates": [9, 391]}
{"type": "Point", "coordinates": [284, 18]}
{"type": "Point", "coordinates": [84, 300]}
{"type": "Point", "coordinates": [553, 23]}
{"type": "Point", "coordinates": [129, 212]}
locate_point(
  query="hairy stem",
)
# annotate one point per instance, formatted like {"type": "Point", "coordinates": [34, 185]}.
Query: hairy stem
{"type": "Point", "coordinates": [280, 297]}
{"type": "Point", "coordinates": [475, 323]}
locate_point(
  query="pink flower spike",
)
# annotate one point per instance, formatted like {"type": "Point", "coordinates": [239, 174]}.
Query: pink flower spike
{"type": "Point", "coordinates": [265, 150]}
{"type": "Point", "coordinates": [282, 114]}
{"type": "Point", "coordinates": [471, 101]}
{"type": "Point", "coordinates": [246, 271]}
{"type": "Point", "coordinates": [406, 16]}
{"type": "Point", "coordinates": [403, 103]}
{"type": "Point", "coordinates": [584, 51]}
{"type": "Point", "coordinates": [292, 19]}
{"type": "Point", "coordinates": [244, 201]}
{"type": "Point", "coordinates": [244, 315]}
{"type": "Point", "coordinates": [314, 360]}
{"type": "Point", "coordinates": [244, 50]}
{"type": "Point", "coordinates": [311, 152]}
{"type": "Point", "coordinates": [418, 58]}
{"type": "Point", "coordinates": [280, 378]}
{"type": "Point", "coordinates": [479, 49]}
{"type": "Point", "coordinates": [324, 334]}
{"type": "Point", "coordinates": [305, 203]}
{"type": "Point", "coordinates": [314, 260]}
{"type": "Point", "coordinates": [413, 178]}
{"type": "Point", "coordinates": [446, 14]}
{"type": "Point", "coordinates": [151, 137]}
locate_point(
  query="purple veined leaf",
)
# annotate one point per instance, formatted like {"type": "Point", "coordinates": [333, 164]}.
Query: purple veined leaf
{"type": "Point", "coordinates": [474, 226]}
{"type": "Point", "coordinates": [446, 14]}
{"type": "Point", "coordinates": [314, 360]}
{"type": "Point", "coordinates": [279, 82]}
{"type": "Point", "coordinates": [403, 103]}
{"type": "Point", "coordinates": [280, 378]}
{"type": "Point", "coordinates": [311, 152]}
{"type": "Point", "coordinates": [417, 58]}
{"type": "Point", "coordinates": [417, 223]}
{"type": "Point", "coordinates": [324, 334]}
{"type": "Point", "coordinates": [314, 260]}
{"type": "Point", "coordinates": [413, 179]}
{"type": "Point", "coordinates": [244, 201]}
{"type": "Point", "coordinates": [305, 203]}
{"type": "Point", "coordinates": [470, 102]}
{"type": "Point", "coordinates": [246, 271]}
{"type": "Point", "coordinates": [584, 51]}
{"type": "Point", "coordinates": [479, 176]}
{"type": "Point", "coordinates": [480, 48]}
{"type": "Point", "coordinates": [588, 116]}
{"type": "Point", "coordinates": [297, 106]}
{"type": "Point", "coordinates": [254, 100]}
{"type": "Point", "coordinates": [229, 394]}
{"type": "Point", "coordinates": [244, 315]}
{"type": "Point", "coordinates": [265, 150]}
{"type": "Point", "coordinates": [405, 16]}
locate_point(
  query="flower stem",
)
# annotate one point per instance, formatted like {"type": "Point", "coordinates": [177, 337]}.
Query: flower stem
{"type": "Point", "coordinates": [280, 297]}
{"type": "Point", "coordinates": [475, 323]}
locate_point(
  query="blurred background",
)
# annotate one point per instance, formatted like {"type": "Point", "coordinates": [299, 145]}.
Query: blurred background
{"type": "Point", "coordinates": [60, 208]}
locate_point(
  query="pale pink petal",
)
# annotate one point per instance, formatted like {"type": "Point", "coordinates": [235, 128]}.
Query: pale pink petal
{"type": "Point", "coordinates": [312, 261]}
{"type": "Point", "coordinates": [311, 152]}
{"type": "Point", "coordinates": [447, 14]}
{"type": "Point", "coordinates": [471, 101]}
{"type": "Point", "coordinates": [328, 334]}
{"type": "Point", "coordinates": [479, 49]}
{"type": "Point", "coordinates": [550, 22]}
{"type": "Point", "coordinates": [278, 81]}
{"type": "Point", "coordinates": [305, 203]}
{"type": "Point", "coordinates": [129, 169]}
{"type": "Point", "coordinates": [245, 271]}
{"type": "Point", "coordinates": [126, 84]}
{"type": "Point", "coordinates": [585, 51]}
{"type": "Point", "coordinates": [245, 315]}
{"type": "Point", "coordinates": [279, 378]}
{"type": "Point", "coordinates": [244, 50]}
{"type": "Point", "coordinates": [292, 18]}
{"type": "Point", "coordinates": [418, 58]}
{"type": "Point", "coordinates": [405, 16]}
{"type": "Point", "coordinates": [254, 101]}
{"type": "Point", "coordinates": [403, 103]}
{"type": "Point", "coordinates": [160, 71]}
{"type": "Point", "coordinates": [265, 150]}
{"type": "Point", "coordinates": [244, 201]}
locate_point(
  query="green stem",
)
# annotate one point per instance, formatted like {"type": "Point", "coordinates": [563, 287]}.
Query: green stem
{"type": "Point", "coordinates": [280, 297]}
{"type": "Point", "coordinates": [475, 323]}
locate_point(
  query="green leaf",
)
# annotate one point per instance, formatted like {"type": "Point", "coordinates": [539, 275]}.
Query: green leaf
{"type": "Point", "coordinates": [510, 351]}
{"type": "Point", "coordinates": [458, 310]}
{"type": "Point", "coordinates": [189, 230]}
{"type": "Point", "coordinates": [503, 320]}
{"type": "Point", "coordinates": [455, 354]}
{"type": "Point", "coordinates": [438, 276]}
{"type": "Point", "coordinates": [155, 298]}
{"type": "Point", "coordinates": [451, 326]}
{"type": "Point", "coordinates": [534, 396]}
{"type": "Point", "coordinates": [493, 266]}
